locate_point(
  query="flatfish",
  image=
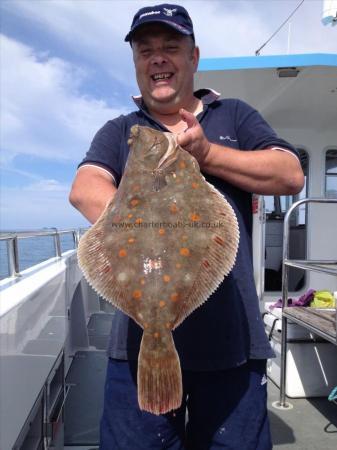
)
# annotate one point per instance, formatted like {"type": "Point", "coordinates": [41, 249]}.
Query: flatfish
{"type": "Point", "coordinates": [161, 247]}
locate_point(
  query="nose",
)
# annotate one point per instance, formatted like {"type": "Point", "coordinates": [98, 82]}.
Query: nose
{"type": "Point", "coordinates": [158, 57]}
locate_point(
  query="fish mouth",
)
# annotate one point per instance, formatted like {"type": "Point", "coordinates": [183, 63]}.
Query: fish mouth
{"type": "Point", "coordinates": [135, 130]}
{"type": "Point", "coordinates": [134, 133]}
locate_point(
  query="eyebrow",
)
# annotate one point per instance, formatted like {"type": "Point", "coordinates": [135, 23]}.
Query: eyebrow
{"type": "Point", "coordinates": [145, 39]}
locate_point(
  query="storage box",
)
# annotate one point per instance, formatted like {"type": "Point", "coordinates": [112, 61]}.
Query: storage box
{"type": "Point", "coordinates": [311, 364]}
{"type": "Point", "coordinates": [273, 323]}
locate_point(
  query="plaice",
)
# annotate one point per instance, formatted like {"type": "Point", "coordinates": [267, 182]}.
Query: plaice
{"type": "Point", "coordinates": [161, 247]}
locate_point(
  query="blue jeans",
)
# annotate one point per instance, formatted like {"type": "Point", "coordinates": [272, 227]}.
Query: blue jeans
{"type": "Point", "coordinates": [227, 409]}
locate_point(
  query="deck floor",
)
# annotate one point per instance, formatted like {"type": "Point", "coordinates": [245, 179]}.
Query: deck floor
{"type": "Point", "coordinates": [310, 425]}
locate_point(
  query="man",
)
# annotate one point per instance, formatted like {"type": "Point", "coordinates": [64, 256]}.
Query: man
{"type": "Point", "coordinates": [222, 345]}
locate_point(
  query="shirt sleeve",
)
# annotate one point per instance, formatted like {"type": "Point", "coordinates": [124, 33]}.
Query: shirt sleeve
{"type": "Point", "coordinates": [105, 147]}
{"type": "Point", "coordinates": [255, 133]}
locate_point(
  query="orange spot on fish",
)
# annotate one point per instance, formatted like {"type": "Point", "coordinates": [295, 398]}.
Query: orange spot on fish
{"type": "Point", "coordinates": [139, 220]}
{"type": "Point", "coordinates": [131, 240]}
{"type": "Point", "coordinates": [137, 294]}
{"type": "Point", "coordinates": [168, 325]}
{"type": "Point", "coordinates": [178, 265]}
{"type": "Point", "coordinates": [122, 253]}
{"type": "Point", "coordinates": [194, 217]}
{"type": "Point", "coordinates": [134, 202]}
{"type": "Point", "coordinates": [174, 297]}
{"type": "Point", "coordinates": [166, 278]}
{"type": "Point", "coordinates": [162, 303]}
{"type": "Point", "coordinates": [136, 188]}
{"type": "Point", "coordinates": [161, 231]}
{"type": "Point", "coordinates": [184, 237]}
{"type": "Point", "coordinates": [142, 281]}
{"type": "Point", "coordinates": [218, 240]}
{"type": "Point", "coordinates": [146, 325]}
{"type": "Point", "coordinates": [156, 335]}
{"type": "Point", "coordinates": [195, 185]}
{"type": "Point", "coordinates": [184, 251]}
{"type": "Point", "coordinates": [173, 208]}
{"type": "Point", "coordinates": [182, 165]}
{"type": "Point", "coordinates": [130, 215]}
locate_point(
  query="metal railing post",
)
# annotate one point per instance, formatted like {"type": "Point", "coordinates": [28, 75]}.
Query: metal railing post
{"type": "Point", "coordinates": [57, 244]}
{"type": "Point", "coordinates": [76, 237]}
{"type": "Point", "coordinates": [13, 257]}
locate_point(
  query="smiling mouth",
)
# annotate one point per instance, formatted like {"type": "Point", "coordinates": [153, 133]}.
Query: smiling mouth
{"type": "Point", "coordinates": [162, 76]}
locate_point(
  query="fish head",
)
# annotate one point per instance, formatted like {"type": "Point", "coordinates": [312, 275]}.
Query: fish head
{"type": "Point", "coordinates": [147, 145]}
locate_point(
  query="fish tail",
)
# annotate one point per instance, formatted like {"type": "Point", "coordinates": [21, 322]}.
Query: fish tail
{"type": "Point", "coordinates": [159, 374]}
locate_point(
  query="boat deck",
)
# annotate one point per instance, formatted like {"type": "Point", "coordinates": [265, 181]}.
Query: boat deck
{"type": "Point", "coordinates": [310, 425]}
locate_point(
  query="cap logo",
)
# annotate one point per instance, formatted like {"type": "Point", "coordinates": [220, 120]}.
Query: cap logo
{"type": "Point", "coordinates": [169, 12]}
{"type": "Point", "coordinates": [150, 13]}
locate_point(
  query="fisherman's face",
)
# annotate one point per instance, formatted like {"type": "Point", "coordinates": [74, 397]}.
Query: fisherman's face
{"type": "Point", "coordinates": [165, 63]}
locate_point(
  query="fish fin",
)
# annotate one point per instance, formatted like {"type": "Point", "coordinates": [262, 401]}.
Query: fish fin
{"type": "Point", "coordinates": [159, 374]}
{"type": "Point", "coordinates": [171, 154]}
{"type": "Point", "coordinates": [218, 260]}
{"type": "Point", "coordinates": [96, 264]}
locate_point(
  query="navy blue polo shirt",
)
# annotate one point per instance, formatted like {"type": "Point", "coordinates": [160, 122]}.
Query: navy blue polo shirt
{"type": "Point", "coordinates": [227, 329]}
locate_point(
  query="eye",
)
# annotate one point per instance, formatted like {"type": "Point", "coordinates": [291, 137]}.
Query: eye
{"type": "Point", "coordinates": [172, 48]}
{"type": "Point", "coordinates": [145, 51]}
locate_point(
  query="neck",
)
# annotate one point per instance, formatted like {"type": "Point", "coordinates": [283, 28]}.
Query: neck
{"type": "Point", "coordinates": [169, 116]}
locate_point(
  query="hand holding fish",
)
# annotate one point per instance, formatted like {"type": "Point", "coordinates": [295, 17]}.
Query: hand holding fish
{"type": "Point", "coordinates": [193, 139]}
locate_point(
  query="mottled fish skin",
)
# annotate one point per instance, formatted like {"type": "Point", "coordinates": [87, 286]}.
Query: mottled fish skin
{"type": "Point", "coordinates": [161, 247]}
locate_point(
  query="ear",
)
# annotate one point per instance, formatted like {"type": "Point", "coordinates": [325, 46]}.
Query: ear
{"type": "Point", "coordinates": [196, 57]}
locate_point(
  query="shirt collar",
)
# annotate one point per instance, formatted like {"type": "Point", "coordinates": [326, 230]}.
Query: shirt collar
{"type": "Point", "coordinates": [207, 96]}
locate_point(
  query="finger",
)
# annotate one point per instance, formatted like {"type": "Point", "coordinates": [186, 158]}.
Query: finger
{"type": "Point", "coordinates": [188, 117]}
{"type": "Point", "coordinates": [183, 139]}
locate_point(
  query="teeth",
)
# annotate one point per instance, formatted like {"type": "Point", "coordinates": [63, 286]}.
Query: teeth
{"type": "Point", "coordinates": [161, 76]}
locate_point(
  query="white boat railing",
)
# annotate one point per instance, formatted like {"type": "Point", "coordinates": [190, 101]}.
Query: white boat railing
{"type": "Point", "coordinates": [12, 239]}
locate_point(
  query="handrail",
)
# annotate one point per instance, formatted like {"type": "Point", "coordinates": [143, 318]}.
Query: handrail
{"type": "Point", "coordinates": [285, 258]}
{"type": "Point", "coordinates": [286, 232]}
{"type": "Point", "coordinates": [12, 240]}
{"type": "Point", "coordinates": [32, 233]}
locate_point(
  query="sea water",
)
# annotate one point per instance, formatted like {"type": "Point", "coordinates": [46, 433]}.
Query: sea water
{"type": "Point", "coordinates": [33, 251]}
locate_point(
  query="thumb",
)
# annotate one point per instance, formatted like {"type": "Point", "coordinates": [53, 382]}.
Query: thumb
{"type": "Point", "coordinates": [188, 117]}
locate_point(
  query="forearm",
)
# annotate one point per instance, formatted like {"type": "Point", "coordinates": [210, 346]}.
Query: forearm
{"type": "Point", "coordinates": [90, 194]}
{"type": "Point", "coordinates": [92, 208]}
{"type": "Point", "coordinates": [268, 172]}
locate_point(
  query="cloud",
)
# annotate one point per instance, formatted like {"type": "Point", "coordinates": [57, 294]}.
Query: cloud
{"type": "Point", "coordinates": [46, 185]}
{"type": "Point", "coordinates": [92, 30]}
{"type": "Point", "coordinates": [43, 110]}
{"type": "Point", "coordinates": [96, 30]}
{"type": "Point", "coordinates": [40, 204]}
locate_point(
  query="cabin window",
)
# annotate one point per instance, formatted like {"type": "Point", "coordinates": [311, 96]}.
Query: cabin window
{"type": "Point", "coordinates": [331, 174]}
{"type": "Point", "coordinates": [276, 208]}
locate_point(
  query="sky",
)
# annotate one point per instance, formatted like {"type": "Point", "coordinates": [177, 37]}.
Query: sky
{"type": "Point", "coordinates": [66, 70]}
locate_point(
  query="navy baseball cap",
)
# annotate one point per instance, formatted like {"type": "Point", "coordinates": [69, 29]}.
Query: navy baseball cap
{"type": "Point", "coordinates": [174, 16]}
